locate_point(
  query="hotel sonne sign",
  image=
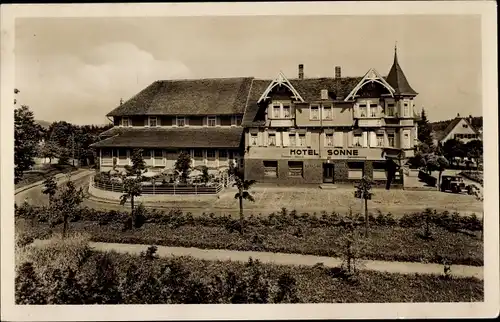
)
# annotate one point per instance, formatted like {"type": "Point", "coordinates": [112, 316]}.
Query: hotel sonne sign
{"type": "Point", "coordinates": [330, 152]}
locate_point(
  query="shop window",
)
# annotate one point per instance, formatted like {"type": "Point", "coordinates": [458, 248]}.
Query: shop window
{"type": "Point", "coordinates": [355, 170]}
{"type": "Point", "coordinates": [295, 168]}
{"type": "Point", "coordinates": [379, 172]}
{"type": "Point", "coordinates": [271, 169]}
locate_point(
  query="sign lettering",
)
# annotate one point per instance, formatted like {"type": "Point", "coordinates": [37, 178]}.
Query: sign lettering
{"type": "Point", "coordinates": [347, 152]}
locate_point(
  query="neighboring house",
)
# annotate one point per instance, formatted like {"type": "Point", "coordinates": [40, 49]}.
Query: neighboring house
{"type": "Point", "coordinates": [460, 128]}
{"type": "Point", "coordinates": [302, 130]}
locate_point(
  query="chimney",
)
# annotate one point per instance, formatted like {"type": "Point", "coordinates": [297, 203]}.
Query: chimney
{"type": "Point", "coordinates": [338, 72]}
{"type": "Point", "coordinates": [301, 71]}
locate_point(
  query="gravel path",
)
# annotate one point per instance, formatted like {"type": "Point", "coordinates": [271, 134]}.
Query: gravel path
{"type": "Point", "coordinates": [288, 259]}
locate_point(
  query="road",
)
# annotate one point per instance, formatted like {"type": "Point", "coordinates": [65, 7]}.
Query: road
{"type": "Point", "coordinates": [35, 196]}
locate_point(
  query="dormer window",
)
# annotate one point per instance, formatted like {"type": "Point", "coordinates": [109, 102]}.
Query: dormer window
{"type": "Point", "coordinates": [389, 111]}
{"type": "Point", "coordinates": [125, 121]}
{"type": "Point", "coordinates": [276, 111]}
{"type": "Point", "coordinates": [180, 121]}
{"type": "Point", "coordinates": [153, 122]}
{"type": "Point", "coordinates": [211, 120]}
{"type": "Point", "coordinates": [362, 110]}
{"type": "Point", "coordinates": [236, 120]}
{"type": "Point", "coordinates": [314, 112]}
{"type": "Point", "coordinates": [286, 111]}
{"type": "Point", "coordinates": [373, 110]}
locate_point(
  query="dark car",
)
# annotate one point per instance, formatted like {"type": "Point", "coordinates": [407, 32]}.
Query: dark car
{"type": "Point", "coordinates": [454, 184]}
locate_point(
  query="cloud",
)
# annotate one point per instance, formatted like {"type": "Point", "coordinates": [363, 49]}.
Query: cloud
{"type": "Point", "coordinates": [82, 89]}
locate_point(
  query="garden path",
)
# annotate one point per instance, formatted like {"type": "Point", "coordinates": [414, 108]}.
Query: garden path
{"type": "Point", "coordinates": [289, 259]}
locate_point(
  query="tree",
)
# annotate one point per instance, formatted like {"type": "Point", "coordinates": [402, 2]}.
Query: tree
{"type": "Point", "coordinates": [474, 150]}
{"type": "Point", "coordinates": [363, 192]}
{"type": "Point", "coordinates": [391, 168]}
{"type": "Point", "coordinates": [138, 164]}
{"type": "Point", "coordinates": [453, 148]}
{"type": "Point", "coordinates": [50, 188]}
{"type": "Point", "coordinates": [132, 188]}
{"type": "Point", "coordinates": [437, 163]}
{"type": "Point", "coordinates": [49, 149]}
{"type": "Point", "coordinates": [27, 135]}
{"type": "Point", "coordinates": [183, 166]}
{"type": "Point", "coordinates": [243, 186]}
{"type": "Point", "coordinates": [205, 177]}
{"type": "Point", "coordinates": [63, 156]}
{"type": "Point", "coordinates": [67, 202]}
{"type": "Point", "coordinates": [424, 129]}
{"type": "Point", "coordinates": [61, 132]}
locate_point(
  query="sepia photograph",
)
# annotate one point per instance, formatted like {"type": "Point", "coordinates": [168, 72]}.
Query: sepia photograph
{"type": "Point", "coordinates": [249, 154]}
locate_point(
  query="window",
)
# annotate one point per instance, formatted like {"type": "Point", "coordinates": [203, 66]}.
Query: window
{"type": "Point", "coordinates": [198, 153]}
{"type": "Point", "coordinates": [406, 136]}
{"type": "Point", "coordinates": [153, 121]}
{"type": "Point", "coordinates": [180, 121]}
{"type": "Point", "coordinates": [286, 111]}
{"type": "Point", "coordinates": [276, 111]}
{"type": "Point", "coordinates": [295, 168]}
{"type": "Point", "coordinates": [338, 139]}
{"type": "Point", "coordinates": [271, 169]}
{"type": "Point", "coordinates": [362, 110]}
{"type": "Point", "coordinates": [380, 139]}
{"type": "Point", "coordinates": [314, 113]}
{"type": "Point", "coordinates": [357, 139]}
{"type": "Point", "coordinates": [211, 121]}
{"type": "Point", "coordinates": [236, 120]}
{"type": "Point", "coordinates": [390, 139]}
{"type": "Point", "coordinates": [293, 139]}
{"type": "Point", "coordinates": [253, 139]}
{"type": "Point", "coordinates": [222, 154]}
{"type": "Point", "coordinates": [210, 154]}
{"type": "Point", "coordinates": [302, 140]}
{"type": "Point", "coordinates": [327, 113]}
{"type": "Point", "coordinates": [465, 125]}
{"type": "Point", "coordinates": [329, 140]}
{"type": "Point", "coordinates": [379, 171]}
{"type": "Point", "coordinates": [125, 121]}
{"type": "Point", "coordinates": [271, 139]}
{"type": "Point", "coordinates": [355, 170]}
{"type": "Point", "coordinates": [389, 111]}
{"type": "Point", "coordinates": [406, 109]}
{"type": "Point", "coordinates": [373, 110]}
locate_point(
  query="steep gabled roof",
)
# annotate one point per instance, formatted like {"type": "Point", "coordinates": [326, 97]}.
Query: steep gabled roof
{"type": "Point", "coordinates": [397, 79]}
{"type": "Point", "coordinates": [189, 97]}
{"type": "Point", "coordinates": [453, 123]}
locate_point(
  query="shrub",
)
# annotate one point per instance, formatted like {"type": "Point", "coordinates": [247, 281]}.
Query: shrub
{"type": "Point", "coordinates": [28, 288]}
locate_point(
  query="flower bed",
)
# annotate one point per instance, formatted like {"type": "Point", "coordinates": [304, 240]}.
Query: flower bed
{"type": "Point", "coordinates": [453, 237]}
{"type": "Point", "coordinates": [476, 176]}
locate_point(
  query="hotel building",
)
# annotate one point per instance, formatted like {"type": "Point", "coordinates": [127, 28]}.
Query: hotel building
{"type": "Point", "coordinates": [284, 131]}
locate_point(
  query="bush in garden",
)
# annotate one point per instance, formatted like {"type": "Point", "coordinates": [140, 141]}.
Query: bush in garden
{"type": "Point", "coordinates": [150, 253]}
{"type": "Point", "coordinates": [99, 279]}
{"type": "Point", "coordinates": [28, 288]}
{"type": "Point", "coordinates": [63, 288]}
{"type": "Point", "coordinates": [286, 289]}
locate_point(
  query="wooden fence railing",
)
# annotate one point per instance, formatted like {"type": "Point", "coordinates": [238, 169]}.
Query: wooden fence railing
{"type": "Point", "coordinates": [162, 189]}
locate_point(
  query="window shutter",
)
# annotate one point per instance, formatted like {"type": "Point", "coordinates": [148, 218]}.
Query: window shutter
{"type": "Point", "coordinates": [365, 139]}
{"type": "Point", "coordinates": [278, 139]}
{"type": "Point", "coordinates": [349, 138]}
{"type": "Point", "coordinates": [286, 140]}
{"type": "Point", "coordinates": [322, 138]}
{"type": "Point", "coordinates": [308, 139]}
{"type": "Point", "coordinates": [373, 139]}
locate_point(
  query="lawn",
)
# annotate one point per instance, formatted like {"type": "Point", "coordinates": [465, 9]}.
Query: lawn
{"type": "Point", "coordinates": [112, 278]}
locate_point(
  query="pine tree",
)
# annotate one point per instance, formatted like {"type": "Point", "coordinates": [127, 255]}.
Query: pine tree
{"type": "Point", "coordinates": [27, 135]}
{"type": "Point", "coordinates": [424, 129]}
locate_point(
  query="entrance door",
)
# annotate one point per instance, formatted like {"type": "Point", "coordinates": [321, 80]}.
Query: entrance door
{"type": "Point", "coordinates": [328, 173]}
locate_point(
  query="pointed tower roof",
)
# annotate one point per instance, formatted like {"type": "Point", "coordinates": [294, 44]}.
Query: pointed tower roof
{"type": "Point", "coordinates": [397, 78]}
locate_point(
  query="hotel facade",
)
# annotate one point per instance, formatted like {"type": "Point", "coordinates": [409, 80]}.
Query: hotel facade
{"type": "Point", "coordinates": [283, 131]}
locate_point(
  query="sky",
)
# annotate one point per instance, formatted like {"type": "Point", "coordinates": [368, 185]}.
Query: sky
{"type": "Point", "coordinates": [78, 69]}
